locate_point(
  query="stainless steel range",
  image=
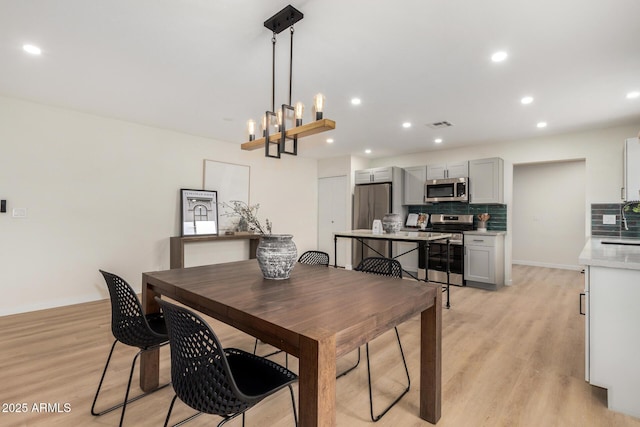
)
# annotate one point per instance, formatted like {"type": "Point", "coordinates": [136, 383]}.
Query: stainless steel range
{"type": "Point", "coordinates": [437, 259]}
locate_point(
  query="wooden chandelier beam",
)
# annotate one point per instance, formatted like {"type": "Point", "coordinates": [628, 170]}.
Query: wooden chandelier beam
{"type": "Point", "coordinates": [308, 129]}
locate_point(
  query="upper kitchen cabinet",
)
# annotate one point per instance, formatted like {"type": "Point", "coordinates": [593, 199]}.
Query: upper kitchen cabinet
{"type": "Point", "coordinates": [414, 179]}
{"type": "Point", "coordinates": [486, 181]}
{"type": "Point", "coordinates": [448, 170]}
{"type": "Point", "coordinates": [631, 189]}
{"type": "Point", "coordinates": [374, 175]}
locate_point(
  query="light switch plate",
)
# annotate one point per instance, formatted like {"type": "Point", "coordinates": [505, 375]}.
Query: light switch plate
{"type": "Point", "coordinates": [609, 219]}
{"type": "Point", "coordinates": [19, 212]}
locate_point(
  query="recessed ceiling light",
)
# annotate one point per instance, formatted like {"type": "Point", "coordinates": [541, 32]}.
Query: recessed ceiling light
{"type": "Point", "coordinates": [368, 151]}
{"type": "Point", "coordinates": [34, 50]}
{"type": "Point", "coordinates": [527, 100]}
{"type": "Point", "coordinates": [542, 125]}
{"type": "Point", "coordinates": [437, 140]}
{"type": "Point", "coordinates": [406, 125]}
{"type": "Point", "coordinates": [330, 141]}
{"type": "Point", "coordinates": [633, 95]}
{"type": "Point", "coordinates": [356, 101]}
{"type": "Point", "coordinates": [499, 56]}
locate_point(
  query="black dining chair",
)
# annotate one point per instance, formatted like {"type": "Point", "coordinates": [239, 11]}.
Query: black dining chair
{"type": "Point", "coordinates": [314, 258]}
{"type": "Point", "coordinates": [393, 268]}
{"type": "Point", "coordinates": [130, 326]}
{"type": "Point", "coordinates": [310, 258]}
{"type": "Point", "coordinates": [216, 380]}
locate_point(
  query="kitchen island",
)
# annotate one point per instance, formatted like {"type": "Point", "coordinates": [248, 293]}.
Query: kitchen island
{"type": "Point", "coordinates": [421, 239]}
{"type": "Point", "coordinates": [612, 323]}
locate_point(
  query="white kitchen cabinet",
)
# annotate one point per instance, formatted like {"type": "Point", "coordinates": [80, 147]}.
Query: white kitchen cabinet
{"type": "Point", "coordinates": [414, 179]}
{"type": "Point", "coordinates": [374, 175]}
{"type": "Point", "coordinates": [631, 189]}
{"type": "Point", "coordinates": [486, 181]}
{"type": "Point", "coordinates": [484, 260]}
{"type": "Point", "coordinates": [448, 170]}
{"type": "Point", "coordinates": [612, 342]}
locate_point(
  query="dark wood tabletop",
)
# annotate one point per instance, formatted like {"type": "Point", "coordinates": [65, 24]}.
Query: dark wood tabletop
{"type": "Point", "coordinates": [317, 315]}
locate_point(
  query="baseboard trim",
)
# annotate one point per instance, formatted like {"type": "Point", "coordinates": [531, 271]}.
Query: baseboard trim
{"type": "Point", "coordinates": [547, 265]}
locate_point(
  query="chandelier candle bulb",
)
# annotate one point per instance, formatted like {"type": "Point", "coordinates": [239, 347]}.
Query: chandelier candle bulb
{"type": "Point", "coordinates": [318, 105]}
{"type": "Point", "coordinates": [251, 128]}
{"type": "Point", "coordinates": [264, 125]}
{"type": "Point", "coordinates": [299, 112]}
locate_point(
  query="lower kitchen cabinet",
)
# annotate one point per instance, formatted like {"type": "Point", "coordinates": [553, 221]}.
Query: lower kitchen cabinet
{"type": "Point", "coordinates": [484, 260]}
{"type": "Point", "coordinates": [612, 342]}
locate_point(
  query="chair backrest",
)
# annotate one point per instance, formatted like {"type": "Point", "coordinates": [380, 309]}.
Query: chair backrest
{"type": "Point", "coordinates": [381, 266]}
{"type": "Point", "coordinates": [314, 258]}
{"type": "Point", "coordinates": [200, 372]}
{"type": "Point", "coordinates": [128, 322]}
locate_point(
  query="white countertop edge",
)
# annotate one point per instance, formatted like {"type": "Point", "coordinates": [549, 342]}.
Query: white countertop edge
{"type": "Point", "coordinates": [404, 235]}
{"type": "Point", "coordinates": [485, 233]}
{"type": "Point", "coordinates": [597, 254]}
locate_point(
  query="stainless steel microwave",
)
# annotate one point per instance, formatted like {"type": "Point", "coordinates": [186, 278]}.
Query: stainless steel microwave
{"type": "Point", "coordinates": [447, 190]}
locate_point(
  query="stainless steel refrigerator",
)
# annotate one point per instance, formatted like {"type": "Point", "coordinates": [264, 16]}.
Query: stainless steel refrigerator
{"type": "Point", "coordinates": [370, 201]}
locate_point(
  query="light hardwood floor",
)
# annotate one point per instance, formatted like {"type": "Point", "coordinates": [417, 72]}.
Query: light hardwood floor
{"type": "Point", "coordinates": [514, 357]}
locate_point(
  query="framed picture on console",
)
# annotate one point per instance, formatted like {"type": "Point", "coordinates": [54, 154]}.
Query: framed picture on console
{"type": "Point", "coordinates": [199, 212]}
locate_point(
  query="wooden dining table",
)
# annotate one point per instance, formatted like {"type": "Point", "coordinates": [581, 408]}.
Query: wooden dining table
{"type": "Point", "coordinates": [317, 315]}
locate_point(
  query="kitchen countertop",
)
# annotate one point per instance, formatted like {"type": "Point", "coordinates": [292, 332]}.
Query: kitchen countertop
{"type": "Point", "coordinates": [485, 233]}
{"type": "Point", "coordinates": [595, 253]}
{"type": "Point", "coordinates": [401, 235]}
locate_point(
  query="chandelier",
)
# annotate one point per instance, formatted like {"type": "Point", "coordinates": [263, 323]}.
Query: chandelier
{"type": "Point", "coordinates": [281, 129]}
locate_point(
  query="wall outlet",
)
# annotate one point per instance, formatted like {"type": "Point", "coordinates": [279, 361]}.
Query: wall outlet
{"type": "Point", "coordinates": [609, 219]}
{"type": "Point", "coordinates": [19, 212]}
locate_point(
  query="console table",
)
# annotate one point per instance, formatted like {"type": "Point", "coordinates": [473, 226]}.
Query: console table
{"type": "Point", "coordinates": [176, 249]}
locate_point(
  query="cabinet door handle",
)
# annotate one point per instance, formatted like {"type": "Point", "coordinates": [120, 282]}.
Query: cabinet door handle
{"type": "Point", "coordinates": [582, 294]}
{"type": "Point", "coordinates": [622, 193]}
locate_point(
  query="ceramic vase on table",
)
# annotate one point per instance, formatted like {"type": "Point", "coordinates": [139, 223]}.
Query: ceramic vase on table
{"type": "Point", "coordinates": [276, 254]}
{"type": "Point", "coordinates": [391, 223]}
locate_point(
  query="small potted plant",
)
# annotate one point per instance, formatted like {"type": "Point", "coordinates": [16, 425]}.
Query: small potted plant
{"type": "Point", "coordinates": [482, 221]}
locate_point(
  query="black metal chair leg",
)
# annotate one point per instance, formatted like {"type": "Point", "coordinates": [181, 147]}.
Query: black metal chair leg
{"type": "Point", "coordinates": [375, 418]}
{"type": "Point", "coordinates": [342, 374]}
{"type": "Point", "coordinates": [293, 405]}
{"type": "Point", "coordinates": [186, 420]}
{"type": "Point", "coordinates": [126, 400]}
{"type": "Point", "coordinates": [286, 355]}
{"type": "Point", "coordinates": [95, 399]}
{"type": "Point", "coordinates": [173, 401]}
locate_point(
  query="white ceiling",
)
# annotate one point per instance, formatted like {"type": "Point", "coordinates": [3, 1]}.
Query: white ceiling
{"type": "Point", "coordinates": [204, 67]}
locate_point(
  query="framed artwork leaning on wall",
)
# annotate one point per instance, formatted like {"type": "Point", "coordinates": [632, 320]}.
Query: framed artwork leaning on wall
{"type": "Point", "coordinates": [199, 212]}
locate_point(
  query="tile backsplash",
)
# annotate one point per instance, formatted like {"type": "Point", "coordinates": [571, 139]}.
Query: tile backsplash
{"type": "Point", "coordinates": [498, 221]}
{"type": "Point", "coordinates": [598, 210]}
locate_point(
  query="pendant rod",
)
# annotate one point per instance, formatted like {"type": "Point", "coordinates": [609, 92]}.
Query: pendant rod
{"type": "Point", "coordinates": [291, 65]}
{"type": "Point", "coordinates": [273, 73]}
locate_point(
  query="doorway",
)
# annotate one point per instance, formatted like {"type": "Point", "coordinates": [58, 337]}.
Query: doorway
{"type": "Point", "coordinates": [549, 202]}
{"type": "Point", "coordinates": [332, 215]}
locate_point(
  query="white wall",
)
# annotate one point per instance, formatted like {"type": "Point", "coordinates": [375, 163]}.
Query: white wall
{"type": "Point", "coordinates": [103, 193]}
{"type": "Point", "coordinates": [548, 214]}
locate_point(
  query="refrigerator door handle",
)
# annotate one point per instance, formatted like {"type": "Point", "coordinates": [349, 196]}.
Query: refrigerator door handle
{"type": "Point", "coordinates": [582, 294]}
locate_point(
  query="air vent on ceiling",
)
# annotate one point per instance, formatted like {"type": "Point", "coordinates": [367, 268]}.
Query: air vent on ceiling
{"type": "Point", "coordinates": [439, 125]}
